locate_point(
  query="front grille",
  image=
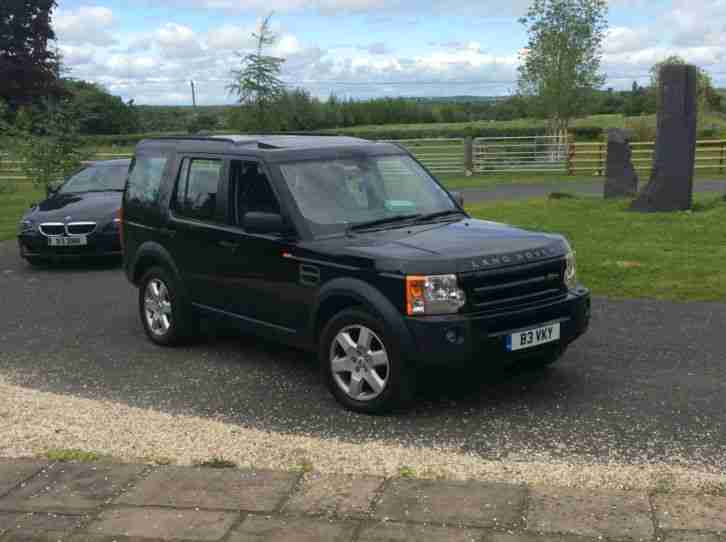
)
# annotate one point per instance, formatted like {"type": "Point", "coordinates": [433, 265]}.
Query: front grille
{"type": "Point", "coordinates": [81, 228]}
{"type": "Point", "coordinates": [515, 287]}
{"type": "Point", "coordinates": [52, 228]}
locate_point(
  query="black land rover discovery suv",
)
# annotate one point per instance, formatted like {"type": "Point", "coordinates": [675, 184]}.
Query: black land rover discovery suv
{"type": "Point", "coordinates": [344, 247]}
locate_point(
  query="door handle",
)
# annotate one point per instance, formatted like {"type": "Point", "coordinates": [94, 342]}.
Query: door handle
{"type": "Point", "coordinates": [229, 244]}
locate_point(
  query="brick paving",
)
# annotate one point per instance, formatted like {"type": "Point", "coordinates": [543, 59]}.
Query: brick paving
{"type": "Point", "coordinates": [105, 502]}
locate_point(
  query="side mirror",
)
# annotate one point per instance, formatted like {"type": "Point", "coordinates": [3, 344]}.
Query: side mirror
{"type": "Point", "coordinates": [50, 190]}
{"type": "Point", "coordinates": [265, 223]}
{"type": "Point", "coordinates": [459, 198]}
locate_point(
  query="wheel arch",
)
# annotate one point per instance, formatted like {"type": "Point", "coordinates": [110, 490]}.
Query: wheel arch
{"type": "Point", "coordinates": [149, 255]}
{"type": "Point", "coordinates": [344, 293]}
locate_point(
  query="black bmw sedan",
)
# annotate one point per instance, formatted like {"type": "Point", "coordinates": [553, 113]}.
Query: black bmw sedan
{"type": "Point", "coordinates": [79, 218]}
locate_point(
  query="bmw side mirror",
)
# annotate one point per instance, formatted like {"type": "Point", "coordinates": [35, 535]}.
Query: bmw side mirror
{"type": "Point", "coordinates": [459, 198]}
{"type": "Point", "coordinates": [266, 224]}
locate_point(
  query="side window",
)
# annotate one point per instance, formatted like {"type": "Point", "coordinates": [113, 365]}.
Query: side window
{"type": "Point", "coordinates": [196, 191]}
{"type": "Point", "coordinates": [145, 179]}
{"type": "Point", "coordinates": [252, 190]}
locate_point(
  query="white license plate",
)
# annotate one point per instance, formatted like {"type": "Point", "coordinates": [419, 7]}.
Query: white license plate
{"type": "Point", "coordinates": [75, 241]}
{"type": "Point", "coordinates": [530, 338]}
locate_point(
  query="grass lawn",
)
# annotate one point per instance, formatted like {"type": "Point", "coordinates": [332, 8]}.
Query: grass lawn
{"type": "Point", "coordinates": [678, 256]}
{"type": "Point", "coordinates": [12, 207]}
{"type": "Point", "coordinates": [458, 182]}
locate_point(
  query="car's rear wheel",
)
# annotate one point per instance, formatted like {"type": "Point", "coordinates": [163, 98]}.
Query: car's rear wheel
{"type": "Point", "coordinates": [164, 312]}
{"type": "Point", "coordinates": [362, 365]}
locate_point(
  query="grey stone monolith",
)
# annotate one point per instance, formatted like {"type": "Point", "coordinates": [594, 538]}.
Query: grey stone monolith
{"type": "Point", "coordinates": [621, 178]}
{"type": "Point", "coordinates": [671, 180]}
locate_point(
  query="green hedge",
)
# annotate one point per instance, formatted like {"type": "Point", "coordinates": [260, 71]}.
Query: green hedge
{"type": "Point", "coordinates": [580, 133]}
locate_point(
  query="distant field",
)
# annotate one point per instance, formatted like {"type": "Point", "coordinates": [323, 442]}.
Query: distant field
{"type": "Point", "coordinates": [598, 121]}
{"type": "Point", "coordinates": [643, 126]}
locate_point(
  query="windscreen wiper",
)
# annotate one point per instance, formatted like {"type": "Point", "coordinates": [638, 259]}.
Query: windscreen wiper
{"type": "Point", "coordinates": [440, 214]}
{"type": "Point", "coordinates": [382, 221]}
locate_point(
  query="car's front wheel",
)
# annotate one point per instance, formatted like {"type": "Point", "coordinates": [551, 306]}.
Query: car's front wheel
{"type": "Point", "coordinates": [164, 313]}
{"type": "Point", "coordinates": [362, 365]}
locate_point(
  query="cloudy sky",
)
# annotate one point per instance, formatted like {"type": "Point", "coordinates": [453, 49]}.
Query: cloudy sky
{"type": "Point", "coordinates": [148, 50]}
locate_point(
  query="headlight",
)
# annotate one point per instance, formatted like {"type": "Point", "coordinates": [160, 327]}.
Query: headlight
{"type": "Point", "coordinates": [26, 226]}
{"type": "Point", "coordinates": [435, 294]}
{"type": "Point", "coordinates": [570, 270]}
{"type": "Point", "coordinates": [113, 225]}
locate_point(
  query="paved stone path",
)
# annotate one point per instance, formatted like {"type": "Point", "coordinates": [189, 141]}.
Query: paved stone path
{"type": "Point", "coordinates": [103, 502]}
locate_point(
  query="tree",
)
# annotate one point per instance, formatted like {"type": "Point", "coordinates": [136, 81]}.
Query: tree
{"type": "Point", "coordinates": [55, 153]}
{"type": "Point", "coordinates": [29, 69]}
{"type": "Point", "coordinates": [257, 82]}
{"type": "Point", "coordinates": [98, 111]}
{"type": "Point", "coordinates": [560, 67]}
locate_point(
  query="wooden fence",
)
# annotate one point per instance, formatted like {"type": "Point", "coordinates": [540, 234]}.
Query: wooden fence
{"type": "Point", "coordinates": [496, 156]}
{"type": "Point", "coordinates": [591, 157]}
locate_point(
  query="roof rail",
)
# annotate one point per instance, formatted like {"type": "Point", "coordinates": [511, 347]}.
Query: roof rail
{"type": "Point", "coordinates": [190, 138]}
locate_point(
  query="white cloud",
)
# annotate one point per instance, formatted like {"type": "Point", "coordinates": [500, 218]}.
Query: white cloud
{"type": "Point", "coordinates": [622, 39]}
{"type": "Point", "coordinates": [87, 25]}
{"type": "Point", "coordinates": [155, 66]}
{"type": "Point", "coordinates": [75, 55]}
{"type": "Point", "coordinates": [231, 37]}
{"type": "Point", "coordinates": [178, 41]}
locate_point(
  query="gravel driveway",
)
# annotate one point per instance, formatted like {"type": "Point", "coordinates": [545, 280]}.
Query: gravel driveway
{"type": "Point", "coordinates": [648, 383]}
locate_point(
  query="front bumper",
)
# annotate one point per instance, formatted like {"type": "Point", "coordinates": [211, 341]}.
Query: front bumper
{"type": "Point", "coordinates": [100, 244]}
{"type": "Point", "coordinates": [481, 338]}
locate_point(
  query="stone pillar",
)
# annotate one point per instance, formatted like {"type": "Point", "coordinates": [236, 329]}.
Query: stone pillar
{"type": "Point", "coordinates": [671, 181]}
{"type": "Point", "coordinates": [622, 180]}
{"type": "Point", "coordinates": [469, 156]}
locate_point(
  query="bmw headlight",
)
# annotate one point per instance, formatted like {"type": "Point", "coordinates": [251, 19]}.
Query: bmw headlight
{"type": "Point", "coordinates": [113, 224]}
{"type": "Point", "coordinates": [26, 226]}
{"type": "Point", "coordinates": [433, 294]}
{"type": "Point", "coordinates": [570, 277]}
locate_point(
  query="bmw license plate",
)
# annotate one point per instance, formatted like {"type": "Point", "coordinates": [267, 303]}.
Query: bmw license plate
{"type": "Point", "coordinates": [74, 241]}
{"type": "Point", "coordinates": [530, 338]}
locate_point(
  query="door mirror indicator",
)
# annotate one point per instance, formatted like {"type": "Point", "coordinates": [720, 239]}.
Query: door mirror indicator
{"type": "Point", "coordinates": [266, 223]}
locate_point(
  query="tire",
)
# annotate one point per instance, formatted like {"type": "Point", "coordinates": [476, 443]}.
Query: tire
{"type": "Point", "coordinates": [165, 314]}
{"type": "Point", "coordinates": [376, 380]}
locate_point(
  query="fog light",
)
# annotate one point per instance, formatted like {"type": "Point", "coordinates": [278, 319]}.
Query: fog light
{"type": "Point", "coordinates": [454, 336]}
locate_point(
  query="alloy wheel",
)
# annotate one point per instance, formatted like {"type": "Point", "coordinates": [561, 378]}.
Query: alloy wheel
{"type": "Point", "coordinates": [359, 363]}
{"type": "Point", "coordinates": [157, 307]}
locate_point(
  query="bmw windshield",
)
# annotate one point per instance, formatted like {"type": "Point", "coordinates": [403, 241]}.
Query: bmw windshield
{"type": "Point", "coordinates": [96, 179]}
{"type": "Point", "coordinates": [338, 195]}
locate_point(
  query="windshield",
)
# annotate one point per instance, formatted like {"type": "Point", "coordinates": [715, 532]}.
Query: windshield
{"type": "Point", "coordinates": [96, 178]}
{"type": "Point", "coordinates": [333, 195]}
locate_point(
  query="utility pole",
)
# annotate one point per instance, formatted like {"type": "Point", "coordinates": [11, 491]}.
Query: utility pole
{"type": "Point", "coordinates": [194, 94]}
